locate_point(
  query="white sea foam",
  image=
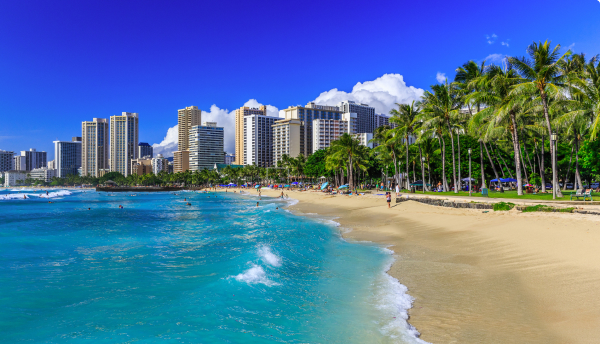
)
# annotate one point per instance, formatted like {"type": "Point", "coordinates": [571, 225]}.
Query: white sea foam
{"type": "Point", "coordinates": [255, 275]}
{"type": "Point", "coordinates": [265, 253]}
{"type": "Point", "coordinates": [393, 300]}
{"type": "Point", "coordinates": [53, 194]}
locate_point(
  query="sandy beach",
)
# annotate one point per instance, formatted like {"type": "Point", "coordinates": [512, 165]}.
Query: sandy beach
{"type": "Point", "coordinates": [495, 277]}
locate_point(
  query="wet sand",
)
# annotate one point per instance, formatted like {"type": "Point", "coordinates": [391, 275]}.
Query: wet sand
{"type": "Point", "coordinates": [496, 277]}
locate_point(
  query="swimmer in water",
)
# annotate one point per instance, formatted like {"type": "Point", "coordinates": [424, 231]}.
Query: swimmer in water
{"type": "Point", "coordinates": [276, 208]}
{"type": "Point", "coordinates": [257, 204]}
{"type": "Point", "coordinates": [89, 209]}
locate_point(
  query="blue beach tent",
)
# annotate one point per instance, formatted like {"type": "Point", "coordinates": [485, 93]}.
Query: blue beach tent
{"type": "Point", "coordinates": [324, 185]}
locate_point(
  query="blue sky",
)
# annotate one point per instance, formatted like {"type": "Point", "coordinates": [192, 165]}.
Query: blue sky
{"type": "Point", "coordinates": [62, 62]}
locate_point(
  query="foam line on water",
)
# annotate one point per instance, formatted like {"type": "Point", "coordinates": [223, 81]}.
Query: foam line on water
{"type": "Point", "coordinates": [255, 275]}
{"type": "Point", "coordinates": [268, 257]}
{"type": "Point", "coordinates": [54, 194]}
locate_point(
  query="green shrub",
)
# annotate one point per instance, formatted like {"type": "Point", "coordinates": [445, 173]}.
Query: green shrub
{"type": "Point", "coordinates": [503, 206]}
{"type": "Point", "coordinates": [539, 207]}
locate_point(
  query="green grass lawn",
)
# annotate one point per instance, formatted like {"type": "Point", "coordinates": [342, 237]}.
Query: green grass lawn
{"type": "Point", "coordinates": [512, 194]}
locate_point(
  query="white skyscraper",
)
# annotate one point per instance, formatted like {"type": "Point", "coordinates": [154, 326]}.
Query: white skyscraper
{"type": "Point", "coordinates": [94, 146]}
{"type": "Point", "coordinates": [206, 146]}
{"type": "Point", "coordinates": [67, 157]}
{"type": "Point", "coordinates": [123, 142]}
{"type": "Point", "coordinates": [258, 140]}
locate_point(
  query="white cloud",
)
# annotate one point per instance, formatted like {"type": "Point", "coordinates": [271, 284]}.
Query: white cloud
{"type": "Point", "coordinates": [495, 59]}
{"type": "Point", "coordinates": [504, 43]}
{"type": "Point", "coordinates": [440, 77]}
{"type": "Point", "coordinates": [382, 93]}
{"type": "Point", "coordinates": [491, 39]}
{"type": "Point", "coordinates": [223, 117]}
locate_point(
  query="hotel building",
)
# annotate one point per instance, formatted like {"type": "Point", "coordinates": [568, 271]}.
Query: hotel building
{"type": "Point", "coordinates": [33, 159]}
{"type": "Point", "coordinates": [206, 146]}
{"type": "Point", "coordinates": [367, 119]}
{"type": "Point", "coordinates": [43, 173]}
{"type": "Point", "coordinates": [258, 140]}
{"type": "Point", "coordinates": [288, 138]}
{"type": "Point", "coordinates": [145, 150]}
{"type": "Point", "coordinates": [159, 164]}
{"type": "Point", "coordinates": [307, 114]}
{"type": "Point", "coordinates": [229, 159]}
{"type": "Point", "coordinates": [6, 160]}
{"type": "Point", "coordinates": [186, 119]}
{"type": "Point", "coordinates": [327, 130]}
{"type": "Point", "coordinates": [67, 157]}
{"type": "Point", "coordinates": [240, 132]}
{"type": "Point", "coordinates": [94, 146]}
{"type": "Point", "coordinates": [141, 166]}
{"type": "Point", "coordinates": [124, 138]}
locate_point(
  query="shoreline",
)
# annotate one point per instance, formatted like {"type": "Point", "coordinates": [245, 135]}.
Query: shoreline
{"type": "Point", "coordinates": [496, 277]}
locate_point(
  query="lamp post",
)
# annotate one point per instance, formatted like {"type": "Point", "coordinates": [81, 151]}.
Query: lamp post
{"type": "Point", "coordinates": [470, 151]}
{"type": "Point", "coordinates": [554, 137]}
{"type": "Point", "coordinates": [423, 171]}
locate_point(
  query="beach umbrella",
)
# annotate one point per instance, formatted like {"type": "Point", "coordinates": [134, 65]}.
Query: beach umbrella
{"type": "Point", "coordinates": [257, 186]}
{"type": "Point", "coordinates": [286, 186]}
{"type": "Point", "coordinates": [295, 183]}
{"type": "Point", "coordinates": [343, 187]}
{"type": "Point", "coordinates": [527, 185]}
{"type": "Point", "coordinates": [324, 185]}
{"type": "Point", "coordinates": [467, 179]}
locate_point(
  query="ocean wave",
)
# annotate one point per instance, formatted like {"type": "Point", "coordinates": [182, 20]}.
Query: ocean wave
{"type": "Point", "coordinates": [265, 253]}
{"type": "Point", "coordinates": [255, 275]}
{"type": "Point", "coordinates": [53, 194]}
{"type": "Point", "coordinates": [392, 298]}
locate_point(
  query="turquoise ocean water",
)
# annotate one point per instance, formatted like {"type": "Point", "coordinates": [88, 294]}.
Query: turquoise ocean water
{"type": "Point", "coordinates": [157, 271]}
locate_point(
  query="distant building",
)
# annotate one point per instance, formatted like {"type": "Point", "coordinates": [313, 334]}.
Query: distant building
{"type": "Point", "coordinates": [258, 140]}
{"type": "Point", "coordinates": [181, 161]}
{"type": "Point", "coordinates": [229, 159]}
{"type": "Point", "coordinates": [34, 159]}
{"type": "Point", "coordinates": [171, 167]}
{"type": "Point", "coordinates": [186, 119]}
{"type": "Point", "coordinates": [51, 165]}
{"type": "Point", "coordinates": [206, 146]}
{"type": "Point", "coordinates": [19, 163]}
{"type": "Point", "coordinates": [145, 150]}
{"type": "Point", "coordinates": [94, 147]}
{"type": "Point", "coordinates": [6, 160]}
{"type": "Point", "coordinates": [43, 173]}
{"type": "Point", "coordinates": [307, 114]}
{"type": "Point", "coordinates": [67, 157]}
{"type": "Point", "coordinates": [364, 139]}
{"type": "Point", "coordinates": [240, 132]}
{"type": "Point", "coordinates": [367, 119]}
{"type": "Point", "coordinates": [14, 178]}
{"type": "Point", "coordinates": [124, 138]}
{"type": "Point", "coordinates": [327, 130]}
{"type": "Point", "coordinates": [160, 164]}
{"type": "Point", "coordinates": [288, 138]}
{"type": "Point", "coordinates": [141, 166]}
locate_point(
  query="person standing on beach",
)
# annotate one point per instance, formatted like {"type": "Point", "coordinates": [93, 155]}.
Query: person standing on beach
{"type": "Point", "coordinates": [388, 197]}
{"type": "Point", "coordinates": [397, 190]}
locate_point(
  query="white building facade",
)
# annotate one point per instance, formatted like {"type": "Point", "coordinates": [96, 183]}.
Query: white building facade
{"type": "Point", "coordinates": [206, 146]}
{"type": "Point", "coordinates": [43, 173]}
{"type": "Point", "coordinates": [327, 130]}
{"type": "Point", "coordinates": [14, 178]}
{"type": "Point", "coordinates": [258, 140]}
{"type": "Point", "coordinates": [67, 158]}
{"type": "Point", "coordinates": [123, 142]}
{"type": "Point", "coordinates": [159, 164]}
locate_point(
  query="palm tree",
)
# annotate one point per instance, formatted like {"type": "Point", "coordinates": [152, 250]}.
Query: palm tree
{"type": "Point", "coordinates": [388, 144]}
{"type": "Point", "coordinates": [542, 76]}
{"type": "Point", "coordinates": [346, 147]}
{"type": "Point", "coordinates": [444, 103]}
{"type": "Point", "coordinates": [406, 117]}
{"type": "Point", "coordinates": [434, 127]}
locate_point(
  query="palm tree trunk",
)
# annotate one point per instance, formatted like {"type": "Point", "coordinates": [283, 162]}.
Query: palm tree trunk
{"type": "Point", "coordinates": [577, 175]}
{"type": "Point", "coordinates": [481, 163]}
{"type": "Point", "coordinates": [429, 173]}
{"type": "Point", "coordinates": [524, 166]}
{"type": "Point", "coordinates": [569, 169]}
{"type": "Point", "coordinates": [407, 176]}
{"type": "Point", "coordinates": [552, 150]}
{"type": "Point", "coordinates": [453, 156]}
{"type": "Point", "coordinates": [504, 162]}
{"type": "Point", "coordinates": [459, 158]}
{"type": "Point", "coordinates": [528, 159]}
{"type": "Point", "coordinates": [443, 147]}
{"type": "Point", "coordinates": [422, 168]}
{"type": "Point", "coordinates": [517, 149]}
{"type": "Point", "coordinates": [495, 154]}
{"type": "Point", "coordinates": [542, 166]}
{"type": "Point", "coordinates": [491, 162]}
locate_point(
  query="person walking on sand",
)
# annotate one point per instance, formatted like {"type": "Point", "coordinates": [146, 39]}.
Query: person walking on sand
{"type": "Point", "coordinates": [397, 190]}
{"type": "Point", "coordinates": [388, 197]}
{"type": "Point", "coordinates": [281, 194]}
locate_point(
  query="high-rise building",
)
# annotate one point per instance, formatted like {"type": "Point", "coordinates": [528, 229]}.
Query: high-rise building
{"type": "Point", "coordinates": [186, 119]}
{"type": "Point", "coordinates": [141, 166]}
{"type": "Point", "coordinates": [67, 157]}
{"type": "Point", "coordinates": [6, 160]}
{"type": "Point", "coordinates": [239, 129]}
{"type": "Point", "coordinates": [94, 146]}
{"type": "Point", "coordinates": [307, 114]}
{"type": "Point", "coordinates": [365, 115]}
{"type": "Point", "coordinates": [124, 136]}
{"type": "Point", "coordinates": [159, 164]}
{"type": "Point", "coordinates": [34, 159]}
{"type": "Point", "coordinates": [288, 138]}
{"type": "Point", "coordinates": [327, 130]}
{"type": "Point", "coordinates": [364, 138]}
{"type": "Point", "coordinates": [206, 146]}
{"type": "Point", "coordinates": [19, 163]}
{"type": "Point", "coordinates": [181, 161]}
{"type": "Point", "coordinates": [51, 165]}
{"type": "Point", "coordinates": [258, 140]}
{"type": "Point", "coordinates": [43, 173]}
{"type": "Point", "coordinates": [229, 159]}
{"type": "Point", "coordinates": [145, 150]}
